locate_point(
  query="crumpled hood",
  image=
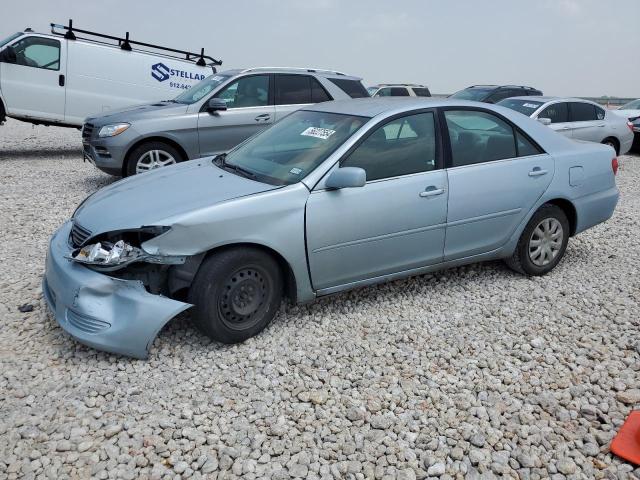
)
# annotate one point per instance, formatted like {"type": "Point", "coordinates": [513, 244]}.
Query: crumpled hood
{"type": "Point", "coordinates": [152, 198]}
{"type": "Point", "coordinates": [131, 114]}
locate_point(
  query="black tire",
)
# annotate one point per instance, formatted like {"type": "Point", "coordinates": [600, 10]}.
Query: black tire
{"type": "Point", "coordinates": [236, 293]}
{"type": "Point", "coordinates": [612, 142]}
{"type": "Point", "coordinates": [521, 260]}
{"type": "Point", "coordinates": [137, 154]}
{"type": "Point", "coordinates": [3, 113]}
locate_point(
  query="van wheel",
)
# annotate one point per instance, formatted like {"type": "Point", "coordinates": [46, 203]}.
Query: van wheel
{"type": "Point", "coordinates": [151, 155]}
{"type": "Point", "coordinates": [236, 293]}
{"type": "Point", "coordinates": [3, 113]}
{"type": "Point", "coordinates": [542, 243]}
{"type": "Point", "coordinates": [613, 143]}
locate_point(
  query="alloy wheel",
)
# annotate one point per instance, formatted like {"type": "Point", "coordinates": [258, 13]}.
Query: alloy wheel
{"type": "Point", "coordinates": [153, 159]}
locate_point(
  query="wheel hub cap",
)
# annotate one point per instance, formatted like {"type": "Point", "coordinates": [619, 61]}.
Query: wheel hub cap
{"type": "Point", "coordinates": [545, 242]}
{"type": "Point", "coordinates": [154, 159]}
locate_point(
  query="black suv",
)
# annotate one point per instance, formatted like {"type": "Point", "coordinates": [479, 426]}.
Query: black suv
{"type": "Point", "coordinates": [494, 93]}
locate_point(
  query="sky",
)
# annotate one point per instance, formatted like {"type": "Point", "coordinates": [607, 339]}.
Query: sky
{"type": "Point", "coordinates": [563, 47]}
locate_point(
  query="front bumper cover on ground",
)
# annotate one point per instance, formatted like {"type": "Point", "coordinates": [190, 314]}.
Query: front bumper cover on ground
{"type": "Point", "coordinates": [103, 312]}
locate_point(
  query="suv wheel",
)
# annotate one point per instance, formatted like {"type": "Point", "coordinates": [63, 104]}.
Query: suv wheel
{"type": "Point", "coordinates": [3, 113]}
{"type": "Point", "coordinates": [152, 155]}
{"type": "Point", "coordinates": [542, 243]}
{"type": "Point", "coordinates": [236, 293]}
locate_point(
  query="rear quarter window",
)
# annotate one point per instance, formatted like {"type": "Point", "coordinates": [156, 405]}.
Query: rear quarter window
{"type": "Point", "coordinates": [353, 88]}
{"type": "Point", "coordinates": [422, 92]}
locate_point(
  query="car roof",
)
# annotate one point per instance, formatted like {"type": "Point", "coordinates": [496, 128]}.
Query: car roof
{"type": "Point", "coordinates": [545, 99]}
{"type": "Point", "coordinates": [371, 107]}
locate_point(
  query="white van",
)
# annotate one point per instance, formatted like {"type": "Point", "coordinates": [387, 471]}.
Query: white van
{"type": "Point", "coordinates": [61, 78]}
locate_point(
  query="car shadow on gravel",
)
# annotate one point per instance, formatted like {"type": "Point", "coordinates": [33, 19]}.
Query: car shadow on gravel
{"type": "Point", "coordinates": [40, 154]}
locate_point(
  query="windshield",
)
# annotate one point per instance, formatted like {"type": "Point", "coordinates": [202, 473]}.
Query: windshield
{"type": "Point", "coordinates": [476, 94]}
{"type": "Point", "coordinates": [523, 106]}
{"type": "Point", "coordinates": [201, 89]}
{"type": "Point", "coordinates": [9, 38]}
{"type": "Point", "coordinates": [293, 147]}
{"type": "Point", "coordinates": [635, 105]}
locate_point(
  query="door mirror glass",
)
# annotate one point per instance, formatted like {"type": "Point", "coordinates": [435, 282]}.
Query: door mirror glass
{"type": "Point", "coordinates": [545, 121]}
{"type": "Point", "coordinates": [8, 55]}
{"type": "Point", "coordinates": [216, 105]}
{"type": "Point", "coordinates": [346, 177]}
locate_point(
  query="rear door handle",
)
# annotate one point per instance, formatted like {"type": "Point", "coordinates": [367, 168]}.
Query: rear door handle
{"type": "Point", "coordinates": [537, 172]}
{"type": "Point", "coordinates": [264, 117]}
{"type": "Point", "coordinates": [431, 191]}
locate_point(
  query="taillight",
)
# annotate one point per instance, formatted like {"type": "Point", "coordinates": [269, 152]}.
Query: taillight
{"type": "Point", "coordinates": [614, 165]}
{"type": "Point", "coordinates": [630, 125]}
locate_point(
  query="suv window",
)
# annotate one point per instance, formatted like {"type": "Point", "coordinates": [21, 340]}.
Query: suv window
{"type": "Point", "coordinates": [353, 88]}
{"type": "Point", "coordinates": [38, 52]}
{"type": "Point", "coordinates": [478, 137]}
{"type": "Point", "coordinates": [582, 112]}
{"type": "Point", "coordinates": [421, 92]}
{"type": "Point", "coordinates": [250, 91]}
{"type": "Point", "coordinates": [401, 147]}
{"type": "Point", "coordinates": [557, 113]}
{"type": "Point", "coordinates": [503, 93]}
{"type": "Point", "coordinates": [299, 89]}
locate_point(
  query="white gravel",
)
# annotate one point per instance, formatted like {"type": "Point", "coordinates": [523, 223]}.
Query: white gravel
{"type": "Point", "coordinates": [475, 372]}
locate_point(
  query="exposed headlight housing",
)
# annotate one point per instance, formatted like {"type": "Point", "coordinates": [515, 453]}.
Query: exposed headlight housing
{"type": "Point", "coordinates": [107, 254]}
{"type": "Point", "coordinates": [113, 130]}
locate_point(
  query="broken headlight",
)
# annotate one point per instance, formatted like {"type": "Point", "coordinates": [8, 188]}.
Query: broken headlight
{"type": "Point", "coordinates": [108, 254]}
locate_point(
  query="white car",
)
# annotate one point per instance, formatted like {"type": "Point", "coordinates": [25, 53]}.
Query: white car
{"type": "Point", "coordinates": [399, 90]}
{"type": "Point", "coordinates": [630, 110]}
{"type": "Point", "coordinates": [60, 79]}
{"type": "Point", "coordinates": [577, 119]}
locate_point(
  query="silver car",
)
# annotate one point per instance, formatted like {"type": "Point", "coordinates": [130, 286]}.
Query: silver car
{"type": "Point", "coordinates": [333, 197]}
{"type": "Point", "coordinates": [212, 117]}
{"type": "Point", "coordinates": [577, 119]}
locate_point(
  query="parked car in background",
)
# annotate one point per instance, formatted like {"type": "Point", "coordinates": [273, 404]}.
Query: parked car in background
{"type": "Point", "coordinates": [212, 117]}
{"type": "Point", "coordinates": [399, 90]}
{"type": "Point", "coordinates": [58, 79]}
{"type": "Point", "coordinates": [630, 110]}
{"type": "Point", "coordinates": [578, 119]}
{"type": "Point", "coordinates": [493, 93]}
{"type": "Point", "coordinates": [335, 196]}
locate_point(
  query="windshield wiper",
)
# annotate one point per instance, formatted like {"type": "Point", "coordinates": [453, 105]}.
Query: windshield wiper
{"type": "Point", "coordinates": [236, 168]}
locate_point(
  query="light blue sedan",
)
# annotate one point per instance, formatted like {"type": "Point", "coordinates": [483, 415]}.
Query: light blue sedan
{"type": "Point", "coordinates": [335, 196]}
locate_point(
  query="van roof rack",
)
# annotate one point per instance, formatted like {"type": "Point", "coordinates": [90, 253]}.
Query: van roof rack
{"type": "Point", "coordinates": [295, 69]}
{"type": "Point", "coordinates": [125, 43]}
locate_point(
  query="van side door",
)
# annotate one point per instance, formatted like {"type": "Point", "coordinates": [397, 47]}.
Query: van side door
{"type": "Point", "coordinates": [249, 110]}
{"type": "Point", "coordinates": [33, 80]}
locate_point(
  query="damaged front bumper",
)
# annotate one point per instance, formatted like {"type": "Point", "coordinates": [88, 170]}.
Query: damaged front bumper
{"type": "Point", "coordinates": [103, 312]}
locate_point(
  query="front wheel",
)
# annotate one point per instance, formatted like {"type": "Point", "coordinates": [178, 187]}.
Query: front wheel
{"type": "Point", "coordinates": [150, 156]}
{"type": "Point", "coordinates": [542, 243]}
{"type": "Point", "coordinates": [236, 293]}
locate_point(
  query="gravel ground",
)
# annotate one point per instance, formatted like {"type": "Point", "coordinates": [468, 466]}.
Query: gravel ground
{"type": "Point", "coordinates": [474, 372]}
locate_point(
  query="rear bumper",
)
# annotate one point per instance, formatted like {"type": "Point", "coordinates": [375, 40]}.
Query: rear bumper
{"type": "Point", "coordinates": [103, 312]}
{"type": "Point", "coordinates": [595, 208]}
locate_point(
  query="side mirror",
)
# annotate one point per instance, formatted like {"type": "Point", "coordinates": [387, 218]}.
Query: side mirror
{"type": "Point", "coordinates": [545, 121]}
{"type": "Point", "coordinates": [216, 105]}
{"type": "Point", "coordinates": [346, 177]}
{"type": "Point", "coordinates": [8, 55]}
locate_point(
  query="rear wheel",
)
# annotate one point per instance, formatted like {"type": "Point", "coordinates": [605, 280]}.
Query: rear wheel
{"type": "Point", "coordinates": [613, 143]}
{"type": "Point", "coordinates": [236, 293]}
{"type": "Point", "coordinates": [542, 243]}
{"type": "Point", "coordinates": [150, 156]}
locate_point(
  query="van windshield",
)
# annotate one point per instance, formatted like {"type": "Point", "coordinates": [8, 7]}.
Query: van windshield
{"type": "Point", "coordinates": [201, 89]}
{"type": "Point", "coordinates": [4, 41]}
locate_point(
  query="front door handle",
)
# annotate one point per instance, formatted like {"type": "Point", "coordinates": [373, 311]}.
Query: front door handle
{"type": "Point", "coordinates": [263, 118]}
{"type": "Point", "coordinates": [61, 80]}
{"type": "Point", "coordinates": [537, 172]}
{"type": "Point", "coordinates": [431, 191]}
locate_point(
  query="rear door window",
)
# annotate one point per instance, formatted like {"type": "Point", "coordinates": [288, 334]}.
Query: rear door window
{"type": "Point", "coordinates": [556, 112]}
{"type": "Point", "coordinates": [421, 92]}
{"type": "Point", "coordinates": [399, 92]}
{"type": "Point", "coordinates": [582, 112]}
{"type": "Point", "coordinates": [293, 89]}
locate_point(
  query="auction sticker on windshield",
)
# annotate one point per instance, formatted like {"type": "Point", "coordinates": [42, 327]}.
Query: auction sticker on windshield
{"type": "Point", "coordinates": [318, 132]}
